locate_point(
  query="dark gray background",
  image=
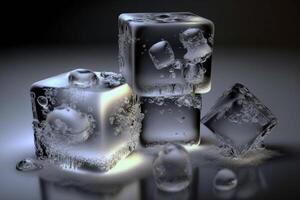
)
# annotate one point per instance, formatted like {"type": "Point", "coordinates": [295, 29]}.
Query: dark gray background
{"type": "Point", "coordinates": [256, 44]}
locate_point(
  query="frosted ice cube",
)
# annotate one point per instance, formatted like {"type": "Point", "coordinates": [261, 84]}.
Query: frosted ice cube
{"type": "Point", "coordinates": [152, 55]}
{"type": "Point", "coordinates": [86, 123]}
{"type": "Point", "coordinates": [171, 119]}
{"type": "Point", "coordinates": [239, 120]}
{"type": "Point", "coordinates": [172, 169]}
{"type": "Point", "coordinates": [162, 54]}
{"type": "Point", "coordinates": [198, 49]}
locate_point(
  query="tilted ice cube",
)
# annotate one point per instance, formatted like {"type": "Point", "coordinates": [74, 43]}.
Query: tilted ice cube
{"type": "Point", "coordinates": [85, 119]}
{"type": "Point", "coordinates": [239, 120]}
{"type": "Point", "coordinates": [162, 54]}
{"type": "Point", "coordinates": [154, 49]}
{"type": "Point", "coordinates": [196, 45]}
{"type": "Point", "coordinates": [171, 119]}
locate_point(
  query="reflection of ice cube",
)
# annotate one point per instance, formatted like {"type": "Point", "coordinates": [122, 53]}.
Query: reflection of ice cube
{"type": "Point", "coordinates": [162, 54]}
{"type": "Point", "coordinates": [171, 119]}
{"type": "Point", "coordinates": [239, 120]}
{"type": "Point", "coordinates": [92, 126]}
{"type": "Point", "coordinates": [196, 45]}
{"type": "Point", "coordinates": [194, 73]}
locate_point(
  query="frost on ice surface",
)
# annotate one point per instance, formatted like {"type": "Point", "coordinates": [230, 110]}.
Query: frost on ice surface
{"type": "Point", "coordinates": [85, 127]}
{"type": "Point", "coordinates": [83, 78]}
{"type": "Point", "coordinates": [194, 73]}
{"type": "Point", "coordinates": [67, 125]}
{"type": "Point", "coordinates": [225, 180]}
{"type": "Point", "coordinates": [240, 121]}
{"type": "Point", "coordinates": [112, 79]}
{"type": "Point", "coordinates": [162, 54]}
{"type": "Point", "coordinates": [198, 50]}
{"type": "Point", "coordinates": [28, 164]}
{"type": "Point", "coordinates": [172, 169]}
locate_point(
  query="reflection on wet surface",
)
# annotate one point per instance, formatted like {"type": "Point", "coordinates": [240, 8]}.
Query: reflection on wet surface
{"type": "Point", "coordinates": [132, 179]}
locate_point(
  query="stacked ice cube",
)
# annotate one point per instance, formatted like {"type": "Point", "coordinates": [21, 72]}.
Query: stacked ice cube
{"type": "Point", "coordinates": [166, 59]}
{"type": "Point", "coordinates": [92, 119]}
{"type": "Point", "coordinates": [85, 119]}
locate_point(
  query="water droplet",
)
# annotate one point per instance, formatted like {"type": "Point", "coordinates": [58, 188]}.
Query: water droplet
{"type": "Point", "coordinates": [172, 168]}
{"type": "Point", "coordinates": [83, 78]}
{"type": "Point", "coordinates": [43, 101]}
{"type": "Point", "coordinates": [225, 180]}
{"type": "Point", "coordinates": [28, 164]}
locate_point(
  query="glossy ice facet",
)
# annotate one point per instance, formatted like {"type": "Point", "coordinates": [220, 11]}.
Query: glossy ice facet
{"type": "Point", "coordinates": [155, 49]}
{"type": "Point", "coordinates": [90, 120]}
{"type": "Point", "coordinates": [162, 54]}
{"type": "Point", "coordinates": [172, 169]}
{"type": "Point", "coordinates": [171, 119]}
{"type": "Point", "coordinates": [239, 120]}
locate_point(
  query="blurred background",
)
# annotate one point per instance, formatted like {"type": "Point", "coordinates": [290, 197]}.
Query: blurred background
{"type": "Point", "coordinates": [256, 43]}
{"type": "Point", "coordinates": [257, 22]}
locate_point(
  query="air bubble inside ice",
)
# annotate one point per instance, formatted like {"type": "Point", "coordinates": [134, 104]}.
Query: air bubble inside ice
{"type": "Point", "coordinates": [68, 125]}
{"type": "Point", "coordinates": [196, 45]}
{"type": "Point", "coordinates": [83, 78]}
{"type": "Point", "coordinates": [28, 164]}
{"type": "Point", "coordinates": [42, 101]}
{"type": "Point", "coordinates": [225, 180]}
{"type": "Point", "coordinates": [111, 79]}
{"type": "Point", "coordinates": [194, 73]}
{"type": "Point", "coordinates": [162, 54]}
{"type": "Point", "coordinates": [172, 169]}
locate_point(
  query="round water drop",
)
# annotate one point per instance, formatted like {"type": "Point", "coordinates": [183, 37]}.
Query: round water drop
{"type": "Point", "coordinates": [225, 180]}
{"type": "Point", "coordinates": [69, 125]}
{"type": "Point", "coordinates": [172, 169]}
{"type": "Point", "coordinates": [42, 101]}
{"type": "Point", "coordinates": [83, 78]}
{"type": "Point", "coordinates": [28, 164]}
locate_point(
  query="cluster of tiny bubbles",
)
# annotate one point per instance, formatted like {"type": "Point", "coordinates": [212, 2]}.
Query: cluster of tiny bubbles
{"type": "Point", "coordinates": [28, 164]}
{"type": "Point", "coordinates": [172, 168]}
{"type": "Point", "coordinates": [225, 180]}
{"type": "Point", "coordinates": [83, 78]}
{"type": "Point", "coordinates": [111, 79]}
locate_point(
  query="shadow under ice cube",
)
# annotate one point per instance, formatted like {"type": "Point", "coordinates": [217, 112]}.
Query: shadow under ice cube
{"type": "Point", "coordinates": [156, 49]}
{"type": "Point", "coordinates": [85, 119]}
{"type": "Point", "coordinates": [171, 119]}
{"type": "Point", "coordinates": [239, 120]}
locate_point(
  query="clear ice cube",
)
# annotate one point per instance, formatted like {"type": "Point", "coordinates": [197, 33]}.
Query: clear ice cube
{"type": "Point", "coordinates": [162, 54]}
{"type": "Point", "coordinates": [239, 120]}
{"type": "Point", "coordinates": [155, 49]}
{"type": "Point", "coordinates": [171, 119]}
{"type": "Point", "coordinates": [172, 169]}
{"type": "Point", "coordinates": [196, 45]}
{"type": "Point", "coordinates": [85, 119]}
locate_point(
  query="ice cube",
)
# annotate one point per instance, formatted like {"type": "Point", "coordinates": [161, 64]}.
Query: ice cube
{"type": "Point", "coordinates": [239, 120]}
{"type": "Point", "coordinates": [153, 52]}
{"type": "Point", "coordinates": [162, 54]}
{"type": "Point", "coordinates": [194, 73]}
{"type": "Point", "coordinates": [196, 45]}
{"type": "Point", "coordinates": [171, 119]}
{"type": "Point", "coordinates": [172, 169]}
{"type": "Point", "coordinates": [85, 119]}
